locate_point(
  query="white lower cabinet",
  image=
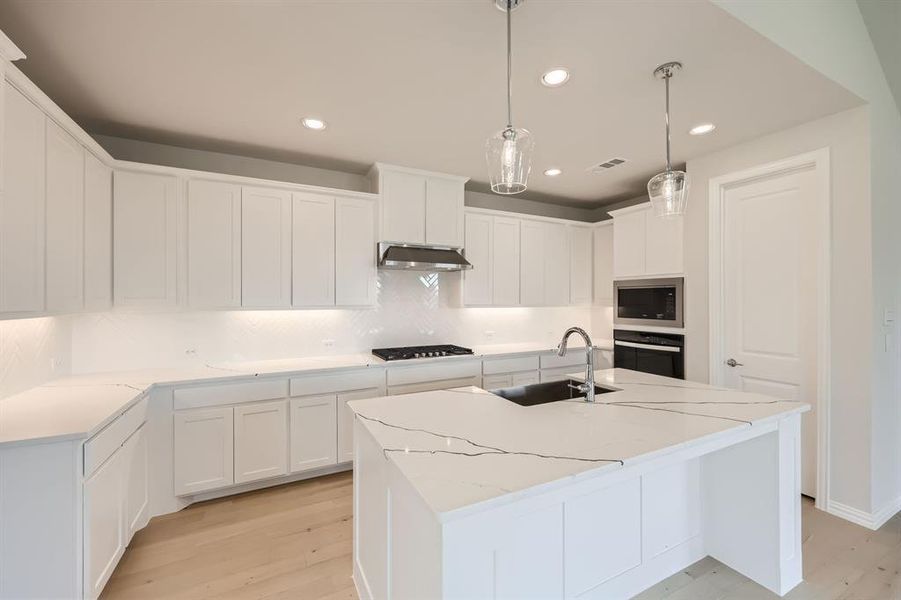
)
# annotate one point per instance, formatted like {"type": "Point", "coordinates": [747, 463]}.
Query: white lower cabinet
{"type": "Point", "coordinates": [136, 482]}
{"type": "Point", "coordinates": [261, 440]}
{"type": "Point", "coordinates": [104, 523]}
{"type": "Point", "coordinates": [346, 421]}
{"type": "Point", "coordinates": [204, 450]}
{"type": "Point", "coordinates": [313, 427]}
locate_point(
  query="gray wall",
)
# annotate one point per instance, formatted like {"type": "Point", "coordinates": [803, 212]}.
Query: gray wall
{"type": "Point", "coordinates": [217, 162]}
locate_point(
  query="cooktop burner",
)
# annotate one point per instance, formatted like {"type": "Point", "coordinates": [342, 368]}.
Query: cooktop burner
{"type": "Point", "coordinates": [408, 352]}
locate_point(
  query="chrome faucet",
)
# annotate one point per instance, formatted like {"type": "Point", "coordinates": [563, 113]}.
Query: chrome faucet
{"type": "Point", "coordinates": [586, 388]}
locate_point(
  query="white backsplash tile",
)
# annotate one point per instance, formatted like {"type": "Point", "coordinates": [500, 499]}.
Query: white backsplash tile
{"type": "Point", "coordinates": [32, 351]}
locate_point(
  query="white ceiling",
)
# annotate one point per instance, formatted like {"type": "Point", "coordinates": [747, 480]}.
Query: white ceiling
{"type": "Point", "coordinates": [418, 83]}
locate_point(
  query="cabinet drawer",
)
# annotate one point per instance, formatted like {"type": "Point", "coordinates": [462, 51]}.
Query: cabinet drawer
{"type": "Point", "coordinates": [455, 369]}
{"type": "Point", "coordinates": [558, 374]}
{"type": "Point", "coordinates": [338, 382]}
{"type": "Point", "coordinates": [496, 382]}
{"type": "Point", "coordinates": [510, 365]}
{"type": "Point", "coordinates": [229, 393]}
{"type": "Point", "coordinates": [428, 386]}
{"type": "Point", "coordinates": [101, 446]}
{"type": "Point", "coordinates": [574, 356]}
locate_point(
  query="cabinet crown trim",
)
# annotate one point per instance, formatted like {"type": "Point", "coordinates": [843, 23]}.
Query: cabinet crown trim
{"type": "Point", "coordinates": [629, 209]}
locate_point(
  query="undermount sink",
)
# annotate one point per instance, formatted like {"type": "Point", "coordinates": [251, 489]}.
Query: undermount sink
{"type": "Point", "coordinates": [542, 393]}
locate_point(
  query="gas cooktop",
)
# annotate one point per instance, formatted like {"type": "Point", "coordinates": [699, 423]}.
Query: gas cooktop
{"type": "Point", "coordinates": [408, 352]}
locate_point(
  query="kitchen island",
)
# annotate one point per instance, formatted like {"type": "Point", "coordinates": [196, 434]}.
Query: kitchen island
{"type": "Point", "coordinates": [463, 494]}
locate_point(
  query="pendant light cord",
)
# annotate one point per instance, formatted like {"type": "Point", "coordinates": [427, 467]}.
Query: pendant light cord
{"type": "Point", "coordinates": [509, 67]}
{"type": "Point", "coordinates": [666, 81]}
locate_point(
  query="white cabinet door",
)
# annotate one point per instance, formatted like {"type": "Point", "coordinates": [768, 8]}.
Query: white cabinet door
{"type": "Point", "coordinates": [663, 250]}
{"type": "Point", "coordinates": [580, 277]}
{"type": "Point", "coordinates": [525, 378]}
{"type": "Point", "coordinates": [556, 265]}
{"type": "Point", "coordinates": [346, 421]}
{"type": "Point", "coordinates": [505, 262]}
{"type": "Point", "coordinates": [104, 524]}
{"type": "Point", "coordinates": [629, 244]}
{"type": "Point", "coordinates": [403, 207]}
{"type": "Point", "coordinates": [603, 264]}
{"type": "Point", "coordinates": [532, 257]}
{"type": "Point", "coordinates": [496, 382]}
{"type": "Point", "coordinates": [261, 440]}
{"type": "Point", "coordinates": [265, 248]}
{"type": "Point", "coordinates": [477, 281]}
{"type": "Point", "coordinates": [135, 480]}
{"type": "Point", "coordinates": [22, 205]}
{"type": "Point", "coordinates": [313, 250]}
{"type": "Point", "coordinates": [204, 450]}
{"type": "Point", "coordinates": [444, 212]}
{"type": "Point", "coordinates": [144, 228]}
{"type": "Point", "coordinates": [313, 432]}
{"type": "Point", "coordinates": [65, 221]}
{"type": "Point", "coordinates": [355, 268]}
{"type": "Point", "coordinates": [214, 244]}
{"type": "Point", "coordinates": [98, 234]}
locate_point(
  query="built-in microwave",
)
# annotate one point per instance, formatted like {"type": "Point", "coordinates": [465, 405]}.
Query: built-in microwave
{"type": "Point", "coordinates": [656, 302]}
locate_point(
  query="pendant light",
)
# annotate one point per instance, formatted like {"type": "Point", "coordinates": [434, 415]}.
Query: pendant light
{"type": "Point", "coordinates": [668, 191]}
{"type": "Point", "coordinates": [509, 151]}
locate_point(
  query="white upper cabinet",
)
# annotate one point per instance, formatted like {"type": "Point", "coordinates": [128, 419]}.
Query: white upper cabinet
{"type": "Point", "coordinates": [580, 277]}
{"type": "Point", "coordinates": [532, 256]}
{"type": "Point", "coordinates": [214, 244]}
{"type": "Point", "coordinates": [355, 254]}
{"type": "Point", "coordinates": [265, 248]}
{"type": "Point", "coordinates": [477, 288]}
{"type": "Point", "coordinates": [98, 234]}
{"type": "Point", "coordinates": [65, 221]}
{"type": "Point", "coordinates": [22, 205]}
{"type": "Point", "coordinates": [505, 261]}
{"type": "Point", "coordinates": [419, 207]}
{"type": "Point", "coordinates": [556, 264]}
{"type": "Point", "coordinates": [603, 263]}
{"type": "Point", "coordinates": [444, 212]}
{"type": "Point", "coordinates": [144, 240]}
{"type": "Point", "coordinates": [313, 250]}
{"type": "Point", "coordinates": [645, 245]}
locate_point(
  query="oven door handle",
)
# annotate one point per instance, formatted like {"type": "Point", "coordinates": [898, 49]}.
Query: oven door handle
{"type": "Point", "coordinates": [673, 349]}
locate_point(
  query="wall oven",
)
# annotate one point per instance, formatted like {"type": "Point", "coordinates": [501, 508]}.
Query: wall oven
{"type": "Point", "coordinates": [657, 353]}
{"type": "Point", "coordinates": [656, 302]}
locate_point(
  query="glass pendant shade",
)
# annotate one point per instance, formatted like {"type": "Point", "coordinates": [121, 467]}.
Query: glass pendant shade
{"type": "Point", "coordinates": [668, 192]}
{"type": "Point", "coordinates": [509, 156]}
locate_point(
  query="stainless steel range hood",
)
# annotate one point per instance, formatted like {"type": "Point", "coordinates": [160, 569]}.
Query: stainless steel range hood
{"type": "Point", "coordinates": [416, 257]}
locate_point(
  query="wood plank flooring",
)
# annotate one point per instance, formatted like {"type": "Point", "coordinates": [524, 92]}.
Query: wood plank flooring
{"type": "Point", "coordinates": [294, 541]}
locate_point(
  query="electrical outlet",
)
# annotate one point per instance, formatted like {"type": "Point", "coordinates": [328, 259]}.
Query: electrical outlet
{"type": "Point", "coordinates": [54, 365]}
{"type": "Point", "coordinates": [328, 343]}
{"type": "Point", "coordinates": [489, 334]}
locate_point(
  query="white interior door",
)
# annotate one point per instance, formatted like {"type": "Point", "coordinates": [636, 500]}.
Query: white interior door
{"type": "Point", "coordinates": [770, 295]}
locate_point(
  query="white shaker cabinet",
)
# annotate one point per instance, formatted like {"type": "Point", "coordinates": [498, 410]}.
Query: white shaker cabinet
{"type": "Point", "coordinates": [444, 212]}
{"type": "Point", "coordinates": [355, 254]}
{"type": "Point", "coordinates": [261, 440]}
{"type": "Point", "coordinates": [144, 240]}
{"type": "Point", "coordinates": [644, 244]}
{"type": "Point", "coordinates": [136, 491]}
{"type": "Point", "coordinates": [313, 429]}
{"type": "Point", "coordinates": [265, 248]}
{"type": "Point", "coordinates": [22, 205]}
{"type": "Point", "coordinates": [403, 207]}
{"type": "Point", "coordinates": [532, 256]}
{"type": "Point", "coordinates": [98, 234]}
{"type": "Point", "coordinates": [556, 264]}
{"type": "Point", "coordinates": [663, 247]}
{"type": "Point", "coordinates": [580, 274]}
{"type": "Point", "coordinates": [204, 449]}
{"type": "Point", "coordinates": [214, 244]}
{"type": "Point", "coordinates": [104, 523]}
{"type": "Point", "coordinates": [629, 243]}
{"type": "Point", "coordinates": [603, 263]}
{"type": "Point", "coordinates": [313, 250]}
{"type": "Point", "coordinates": [64, 221]}
{"type": "Point", "coordinates": [346, 420]}
{"type": "Point", "coordinates": [477, 282]}
{"type": "Point", "coordinates": [505, 255]}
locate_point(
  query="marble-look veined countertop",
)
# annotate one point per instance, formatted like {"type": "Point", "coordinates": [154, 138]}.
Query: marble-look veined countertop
{"type": "Point", "coordinates": [77, 407]}
{"type": "Point", "coordinates": [463, 447]}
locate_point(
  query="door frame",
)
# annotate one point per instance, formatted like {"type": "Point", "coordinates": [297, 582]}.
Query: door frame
{"type": "Point", "coordinates": [818, 160]}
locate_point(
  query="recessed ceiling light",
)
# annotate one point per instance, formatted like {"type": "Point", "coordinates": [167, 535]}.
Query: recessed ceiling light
{"type": "Point", "coordinates": [702, 129]}
{"type": "Point", "coordinates": [313, 123]}
{"type": "Point", "coordinates": [553, 172]}
{"type": "Point", "coordinates": [555, 77]}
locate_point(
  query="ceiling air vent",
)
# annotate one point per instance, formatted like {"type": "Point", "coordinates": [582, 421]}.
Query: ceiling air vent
{"type": "Point", "coordinates": [606, 165]}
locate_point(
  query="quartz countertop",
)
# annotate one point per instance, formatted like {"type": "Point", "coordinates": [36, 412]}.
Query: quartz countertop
{"type": "Point", "coordinates": [463, 447]}
{"type": "Point", "coordinates": [77, 407]}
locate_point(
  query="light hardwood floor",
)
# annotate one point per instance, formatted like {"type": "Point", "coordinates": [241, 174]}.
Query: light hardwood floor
{"type": "Point", "coordinates": [294, 541]}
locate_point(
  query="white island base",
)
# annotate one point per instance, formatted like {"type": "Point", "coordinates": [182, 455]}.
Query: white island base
{"type": "Point", "coordinates": [608, 531]}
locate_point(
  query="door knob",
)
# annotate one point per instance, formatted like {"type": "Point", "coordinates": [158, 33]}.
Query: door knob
{"type": "Point", "coordinates": [734, 363]}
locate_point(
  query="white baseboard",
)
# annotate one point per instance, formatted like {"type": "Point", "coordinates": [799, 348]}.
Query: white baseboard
{"type": "Point", "coordinates": [865, 519]}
